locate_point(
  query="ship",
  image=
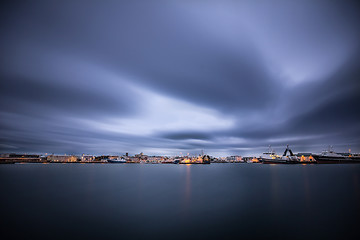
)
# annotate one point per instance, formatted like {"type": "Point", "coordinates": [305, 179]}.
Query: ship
{"type": "Point", "coordinates": [117, 160]}
{"type": "Point", "coordinates": [271, 157]}
{"type": "Point", "coordinates": [268, 156]}
{"type": "Point", "coordinates": [330, 156]}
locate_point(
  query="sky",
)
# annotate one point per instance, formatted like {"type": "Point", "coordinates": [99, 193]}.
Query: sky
{"type": "Point", "coordinates": [178, 77]}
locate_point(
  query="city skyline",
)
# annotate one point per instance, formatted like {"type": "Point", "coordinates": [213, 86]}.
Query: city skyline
{"type": "Point", "coordinates": [169, 77]}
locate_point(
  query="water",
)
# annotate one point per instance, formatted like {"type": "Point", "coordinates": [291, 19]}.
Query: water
{"type": "Point", "coordinates": [216, 201]}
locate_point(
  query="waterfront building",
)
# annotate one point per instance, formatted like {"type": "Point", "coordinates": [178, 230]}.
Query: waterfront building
{"type": "Point", "coordinates": [220, 160]}
{"type": "Point", "coordinates": [201, 159]}
{"type": "Point", "coordinates": [132, 159]}
{"type": "Point", "coordinates": [234, 159]}
{"type": "Point", "coordinates": [141, 156]}
{"type": "Point", "coordinates": [306, 157]}
{"type": "Point", "coordinates": [155, 159]}
{"type": "Point", "coordinates": [19, 158]}
{"type": "Point", "coordinates": [61, 158]}
{"type": "Point", "coordinates": [250, 159]}
{"type": "Point", "coordinates": [87, 158]}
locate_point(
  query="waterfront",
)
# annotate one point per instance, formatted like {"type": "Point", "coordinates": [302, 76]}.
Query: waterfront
{"type": "Point", "coordinates": [162, 201]}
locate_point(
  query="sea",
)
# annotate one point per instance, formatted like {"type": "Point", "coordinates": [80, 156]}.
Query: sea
{"type": "Point", "coordinates": [168, 201]}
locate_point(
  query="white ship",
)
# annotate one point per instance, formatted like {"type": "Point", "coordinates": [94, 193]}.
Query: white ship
{"type": "Point", "coordinates": [330, 156]}
{"type": "Point", "coordinates": [271, 157]}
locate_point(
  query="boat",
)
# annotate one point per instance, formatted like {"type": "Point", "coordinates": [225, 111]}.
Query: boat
{"type": "Point", "coordinates": [268, 156]}
{"type": "Point", "coordinates": [271, 157]}
{"type": "Point", "coordinates": [117, 160]}
{"type": "Point", "coordinates": [330, 156]}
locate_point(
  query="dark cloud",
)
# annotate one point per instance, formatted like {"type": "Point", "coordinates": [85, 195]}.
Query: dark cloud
{"type": "Point", "coordinates": [187, 135]}
{"type": "Point", "coordinates": [52, 98]}
{"type": "Point", "coordinates": [159, 76]}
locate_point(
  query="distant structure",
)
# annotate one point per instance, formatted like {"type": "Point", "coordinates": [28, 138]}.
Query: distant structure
{"type": "Point", "coordinates": [87, 158]}
{"type": "Point", "coordinates": [61, 158]}
{"type": "Point", "coordinates": [17, 158]}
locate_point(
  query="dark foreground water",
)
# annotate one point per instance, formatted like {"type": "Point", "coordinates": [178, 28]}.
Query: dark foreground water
{"type": "Point", "coordinates": [217, 201]}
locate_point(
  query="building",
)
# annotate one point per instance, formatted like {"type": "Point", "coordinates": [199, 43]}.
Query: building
{"type": "Point", "coordinates": [234, 159]}
{"type": "Point", "coordinates": [155, 159]}
{"type": "Point", "coordinates": [305, 157]}
{"type": "Point", "coordinates": [141, 156]}
{"type": "Point", "coordinates": [87, 158]}
{"type": "Point", "coordinates": [62, 158]}
{"type": "Point", "coordinates": [204, 159]}
{"type": "Point", "coordinates": [19, 158]}
{"type": "Point", "coordinates": [250, 159]}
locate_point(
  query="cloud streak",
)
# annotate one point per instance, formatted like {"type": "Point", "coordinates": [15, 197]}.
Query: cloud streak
{"type": "Point", "coordinates": [170, 77]}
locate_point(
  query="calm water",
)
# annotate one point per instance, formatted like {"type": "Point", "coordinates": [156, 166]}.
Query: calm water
{"type": "Point", "coordinates": [217, 201]}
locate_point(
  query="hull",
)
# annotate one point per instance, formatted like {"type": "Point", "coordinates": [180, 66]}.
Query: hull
{"type": "Point", "coordinates": [324, 159]}
{"type": "Point", "coordinates": [277, 161]}
{"type": "Point", "coordinates": [116, 161]}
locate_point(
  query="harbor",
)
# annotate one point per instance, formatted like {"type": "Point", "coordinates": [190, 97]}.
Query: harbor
{"type": "Point", "coordinates": [180, 120]}
{"type": "Point", "coordinates": [328, 156]}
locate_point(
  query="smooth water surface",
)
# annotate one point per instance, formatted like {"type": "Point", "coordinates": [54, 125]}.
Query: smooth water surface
{"type": "Point", "coordinates": [144, 201]}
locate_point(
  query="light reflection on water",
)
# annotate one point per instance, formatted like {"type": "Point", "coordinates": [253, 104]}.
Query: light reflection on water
{"type": "Point", "coordinates": [187, 195]}
{"type": "Point", "coordinates": [275, 187]}
{"type": "Point", "coordinates": [219, 201]}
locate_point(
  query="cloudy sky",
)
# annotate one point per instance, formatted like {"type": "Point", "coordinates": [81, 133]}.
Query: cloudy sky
{"type": "Point", "coordinates": [171, 77]}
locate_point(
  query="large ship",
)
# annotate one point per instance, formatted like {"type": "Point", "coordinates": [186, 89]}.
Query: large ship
{"type": "Point", "coordinates": [268, 156]}
{"type": "Point", "coordinates": [117, 160]}
{"type": "Point", "coordinates": [271, 157]}
{"type": "Point", "coordinates": [329, 156]}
